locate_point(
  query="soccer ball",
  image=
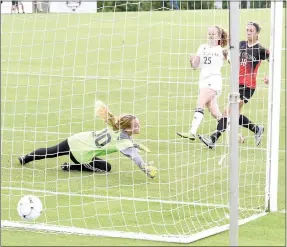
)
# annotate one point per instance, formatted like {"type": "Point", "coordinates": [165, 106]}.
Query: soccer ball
{"type": "Point", "coordinates": [29, 207]}
{"type": "Point", "coordinates": [241, 138]}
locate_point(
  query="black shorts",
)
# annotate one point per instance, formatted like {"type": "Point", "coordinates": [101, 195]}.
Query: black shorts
{"type": "Point", "coordinates": [246, 93]}
{"type": "Point", "coordinates": [14, 3]}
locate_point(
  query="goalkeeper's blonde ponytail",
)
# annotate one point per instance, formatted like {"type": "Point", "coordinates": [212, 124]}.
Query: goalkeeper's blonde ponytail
{"type": "Point", "coordinates": [117, 123]}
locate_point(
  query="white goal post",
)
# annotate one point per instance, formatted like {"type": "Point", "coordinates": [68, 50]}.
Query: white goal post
{"type": "Point", "coordinates": [274, 97]}
{"type": "Point", "coordinates": [134, 56]}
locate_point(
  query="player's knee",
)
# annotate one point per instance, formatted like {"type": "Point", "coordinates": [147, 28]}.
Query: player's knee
{"type": "Point", "coordinates": [199, 109]}
{"type": "Point", "coordinates": [241, 103]}
{"type": "Point", "coordinates": [226, 112]}
{"type": "Point", "coordinates": [219, 116]}
{"type": "Point", "coordinates": [216, 114]}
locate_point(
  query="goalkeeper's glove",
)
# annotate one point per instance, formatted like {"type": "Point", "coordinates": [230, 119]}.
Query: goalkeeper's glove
{"type": "Point", "coordinates": [149, 169]}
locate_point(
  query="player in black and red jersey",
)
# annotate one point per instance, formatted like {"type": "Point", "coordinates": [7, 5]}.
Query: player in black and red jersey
{"type": "Point", "coordinates": [251, 55]}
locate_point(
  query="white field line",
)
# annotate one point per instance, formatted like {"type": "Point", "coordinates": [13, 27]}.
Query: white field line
{"type": "Point", "coordinates": [119, 198]}
{"type": "Point", "coordinates": [169, 80]}
{"type": "Point", "coordinates": [91, 232]}
{"type": "Point", "coordinates": [119, 77]}
{"type": "Point", "coordinates": [129, 235]}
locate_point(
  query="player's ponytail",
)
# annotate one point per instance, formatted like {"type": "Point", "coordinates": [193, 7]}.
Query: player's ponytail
{"type": "Point", "coordinates": [117, 123]}
{"type": "Point", "coordinates": [223, 36]}
{"type": "Point", "coordinates": [103, 112]}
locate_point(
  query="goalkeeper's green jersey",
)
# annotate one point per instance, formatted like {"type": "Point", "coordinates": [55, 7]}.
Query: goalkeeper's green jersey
{"type": "Point", "coordinates": [86, 145]}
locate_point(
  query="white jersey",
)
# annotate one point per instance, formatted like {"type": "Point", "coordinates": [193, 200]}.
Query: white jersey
{"type": "Point", "coordinates": [211, 61]}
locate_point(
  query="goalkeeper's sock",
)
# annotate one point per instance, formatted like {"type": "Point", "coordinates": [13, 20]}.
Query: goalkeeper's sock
{"type": "Point", "coordinates": [71, 167]}
{"type": "Point", "coordinates": [28, 158]}
{"type": "Point", "coordinates": [39, 154]}
{"type": "Point", "coordinates": [197, 118]}
{"type": "Point", "coordinates": [80, 167]}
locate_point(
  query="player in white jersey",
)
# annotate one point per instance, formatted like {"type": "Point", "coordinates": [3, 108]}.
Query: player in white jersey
{"type": "Point", "coordinates": [209, 59]}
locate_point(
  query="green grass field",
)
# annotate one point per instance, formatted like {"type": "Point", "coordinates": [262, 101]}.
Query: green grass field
{"type": "Point", "coordinates": [53, 67]}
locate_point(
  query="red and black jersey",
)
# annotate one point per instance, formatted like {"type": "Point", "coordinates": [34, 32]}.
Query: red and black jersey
{"type": "Point", "coordinates": [250, 59]}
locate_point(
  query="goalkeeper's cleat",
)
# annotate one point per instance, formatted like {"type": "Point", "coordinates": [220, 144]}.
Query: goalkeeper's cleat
{"type": "Point", "coordinates": [258, 135]}
{"type": "Point", "coordinates": [187, 135]}
{"type": "Point", "coordinates": [66, 167]}
{"type": "Point", "coordinates": [207, 141]}
{"type": "Point", "coordinates": [150, 171]}
{"type": "Point", "coordinates": [22, 160]}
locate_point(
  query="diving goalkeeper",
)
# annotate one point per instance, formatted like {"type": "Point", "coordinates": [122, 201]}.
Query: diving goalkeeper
{"type": "Point", "coordinates": [84, 148]}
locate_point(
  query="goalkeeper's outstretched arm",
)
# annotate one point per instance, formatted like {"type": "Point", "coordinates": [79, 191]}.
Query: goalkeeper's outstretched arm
{"type": "Point", "coordinates": [133, 154]}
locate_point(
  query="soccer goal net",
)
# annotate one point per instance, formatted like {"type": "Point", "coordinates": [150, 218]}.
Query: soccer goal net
{"type": "Point", "coordinates": [133, 56]}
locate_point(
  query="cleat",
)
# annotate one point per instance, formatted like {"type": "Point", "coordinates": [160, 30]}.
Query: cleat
{"type": "Point", "coordinates": [21, 160]}
{"type": "Point", "coordinates": [65, 167]}
{"type": "Point", "coordinates": [207, 141]}
{"type": "Point", "coordinates": [258, 135]}
{"type": "Point", "coordinates": [150, 171]}
{"type": "Point", "coordinates": [187, 135]}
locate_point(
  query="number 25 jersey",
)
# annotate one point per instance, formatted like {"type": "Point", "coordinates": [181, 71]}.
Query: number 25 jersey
{"type": "Point", "coordinates": [211, 61]}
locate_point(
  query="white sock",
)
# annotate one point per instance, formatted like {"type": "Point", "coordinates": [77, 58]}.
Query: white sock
{"type": "Point", "coordinates": [197, 118]}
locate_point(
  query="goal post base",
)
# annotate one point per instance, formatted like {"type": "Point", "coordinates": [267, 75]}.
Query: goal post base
{"type": "Point", "coordinates": [129, 235]}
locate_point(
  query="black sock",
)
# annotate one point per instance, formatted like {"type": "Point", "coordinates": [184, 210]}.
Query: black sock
{"type": "Point", "coordinates": [41, 153]}
{"type": "Point", "coordinates": [97, 165]}
{"type": "Point", "coordinates": [50, 152]}
{"type": "Point", "coordinates": [221, 127]}
{"type": "Point", "coordinates": [246, 123]}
